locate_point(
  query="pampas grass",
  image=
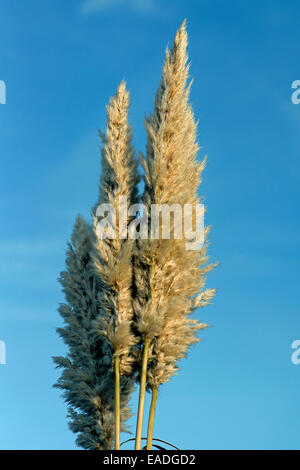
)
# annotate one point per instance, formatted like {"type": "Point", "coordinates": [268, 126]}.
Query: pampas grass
{"type": "Point", "coordinates": [112, 257]}
{"type": "Point", "coordinates": [129, 302]}
{"type": "Point", "coordinates": [167, 275]}
{"type": "Point", "coordinates": [97, 286]}
{"type": "Point", "coordinates": [87, 379]}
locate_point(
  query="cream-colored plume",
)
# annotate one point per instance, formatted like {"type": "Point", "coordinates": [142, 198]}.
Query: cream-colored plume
{"type": "Point", "coordinates": [168, 276]}
{"type": "Point", "coordinates": [112, 257]}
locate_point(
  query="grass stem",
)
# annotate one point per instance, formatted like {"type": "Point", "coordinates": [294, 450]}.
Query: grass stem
{"type": "Point", "coordinates": [139, 425]}
{"type": "Point", "coordinates": [151, 417]}
{"type": "Point", "coordinates": [117, 403]}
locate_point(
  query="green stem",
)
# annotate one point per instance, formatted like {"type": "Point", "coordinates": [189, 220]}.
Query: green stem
{"type": "Point", "coordinates": [117, 402]}
{"type": "Point", "coordinates": [151, 417]}
{"type": "Point", "coordinates": [139, 424]}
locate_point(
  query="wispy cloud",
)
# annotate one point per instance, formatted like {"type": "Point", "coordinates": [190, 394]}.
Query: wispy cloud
{"type": "Point", "coordinates": [139, 6]}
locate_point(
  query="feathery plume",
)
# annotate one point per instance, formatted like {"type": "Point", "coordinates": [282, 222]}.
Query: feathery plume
{"type": "Point", "coordinates": [86, 379]}
{"type": "Point", "coordinates": [168, 276]}
{"type": "Point", "coordinates": [113, 256]}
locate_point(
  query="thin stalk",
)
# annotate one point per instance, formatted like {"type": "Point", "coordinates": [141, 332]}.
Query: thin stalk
{"type": "Point", "coordinates": [117, 402]}
{"type": "Point", "coordinates": [151, 417]}
{"type": "Point", "coordinates": [139, 424]}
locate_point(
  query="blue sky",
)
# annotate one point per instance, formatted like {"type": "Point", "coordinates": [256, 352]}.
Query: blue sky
{"type": "Point", "coordinates": [61, 61]}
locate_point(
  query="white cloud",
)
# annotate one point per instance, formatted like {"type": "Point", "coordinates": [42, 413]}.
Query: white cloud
{"type": "Point", "coordinates": [140, 6]}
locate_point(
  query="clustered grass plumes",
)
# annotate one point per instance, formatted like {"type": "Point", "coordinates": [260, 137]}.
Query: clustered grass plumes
{"type": "Point", "coordinates": [129, 302]}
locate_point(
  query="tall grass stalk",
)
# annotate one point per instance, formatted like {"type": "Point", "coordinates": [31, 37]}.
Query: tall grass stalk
{"type": "Point", "coordinates": [151, 417]}
{"type": "Point", "coordinates": [139, 425]}
{"type": "Point", "coordinates": [117, 403]}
